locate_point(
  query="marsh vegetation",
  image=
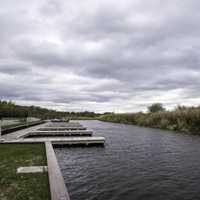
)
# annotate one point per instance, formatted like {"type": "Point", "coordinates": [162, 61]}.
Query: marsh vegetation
{"type": "Point", "coordinates": [183, 119]}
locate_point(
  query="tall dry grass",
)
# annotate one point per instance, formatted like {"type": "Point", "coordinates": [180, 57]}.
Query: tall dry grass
{"type": "Point", "coordinates": [183, 119]}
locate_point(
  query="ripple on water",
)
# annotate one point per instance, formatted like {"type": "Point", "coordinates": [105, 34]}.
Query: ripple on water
{"type": "Point", "coordinates": [136, 164]}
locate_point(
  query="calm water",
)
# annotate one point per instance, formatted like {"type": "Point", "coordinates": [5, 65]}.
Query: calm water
{"type": "Point", "coordinates": [136, 163]}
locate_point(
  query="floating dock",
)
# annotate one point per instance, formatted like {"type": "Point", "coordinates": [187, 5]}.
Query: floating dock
{"type": "Point", "coordinates": [62, 140]}
{"type": "Point", "coordinates": [58, 189]}
{"type": "Point", "coordinates": [55, 134]}
{"type": "Point", "coordinates": [58, 133]}
{"type": "Point", "coordinates": [64, 124]}
{"type": "Point", "coordinates": [61, 128]}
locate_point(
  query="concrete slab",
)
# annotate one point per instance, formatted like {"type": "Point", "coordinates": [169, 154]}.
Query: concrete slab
{"type": "Point", "coordinates": [32, 169]}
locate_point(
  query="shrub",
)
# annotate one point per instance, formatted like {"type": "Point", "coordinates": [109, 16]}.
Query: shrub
{"type": "Point", "coordinates": [184, 119]}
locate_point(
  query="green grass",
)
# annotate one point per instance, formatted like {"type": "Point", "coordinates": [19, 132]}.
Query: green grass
{"type": "Point", "coordinates": [22, 186]}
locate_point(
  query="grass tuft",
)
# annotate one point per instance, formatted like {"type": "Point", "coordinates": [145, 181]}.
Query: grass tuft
{"type": "Point", "coordinates": [15, 186]}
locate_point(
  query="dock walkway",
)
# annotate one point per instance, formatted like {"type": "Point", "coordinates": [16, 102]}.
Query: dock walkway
{"type": "Point", "coordinates": [62, 141]}
{"type": "Point", "coordinates": [55, 133]}
{"type": "Point", "coordinates": [68, 137]}
{"type": "Point", "coordinates": [15, 135]}
{"type": "Point", "coordinates": [57, 185]}
{"type": "Point", "coordinates": [59, 133]}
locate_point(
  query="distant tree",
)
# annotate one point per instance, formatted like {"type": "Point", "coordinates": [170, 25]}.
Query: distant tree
{"type": "Point", "coordinates": [10, 109]}
{"type": "Point", "coordinates": [179, 107]}
{"type": "Point", "coordinates": [156, 107]}
{"type": "Point", "coordinates": [108, 113]}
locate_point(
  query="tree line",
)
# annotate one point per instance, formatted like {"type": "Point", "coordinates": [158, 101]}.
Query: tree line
{"type": "Point", "coordinates": [9, 109]}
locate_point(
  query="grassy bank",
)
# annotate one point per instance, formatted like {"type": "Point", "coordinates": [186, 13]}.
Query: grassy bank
{"type": "Point", "coordinates": [22, 186]}
{"type": "Point", "coordinates": [182, 119]}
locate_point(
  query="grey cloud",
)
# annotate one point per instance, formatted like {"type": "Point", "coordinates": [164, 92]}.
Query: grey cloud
{"type": "Point", "coordinates": [50, 8]}
{"type": "Point", "coordinates": [14, 68]}
{"type": "Point", "coordinates": [100, 53]}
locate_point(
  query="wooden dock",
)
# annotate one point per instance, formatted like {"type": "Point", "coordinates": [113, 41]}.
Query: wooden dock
{"type": "Point", "coordinates": [58, 133]}
{"type": "Point", "coordinates": [20, 133]}
{"type": "Point", "coordinates": [57, 185]}
{"type": "Point", "coordinates": [55, 134]}
{"type": "Point", "coordinates": [62, 140]}
{"type": "Point", "coordinates": [41, 133]}
{"type": "Point", "coordinates": [61, 128]}
{"type": "Point", "coordinates": [63, 124]}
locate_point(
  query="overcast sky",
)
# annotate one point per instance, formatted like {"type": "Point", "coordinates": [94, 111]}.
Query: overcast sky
{"type": "Point", "coordinates": [103, 55]}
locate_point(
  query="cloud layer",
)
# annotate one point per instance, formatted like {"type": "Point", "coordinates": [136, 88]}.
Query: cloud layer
{"type": "Point", "coordinates": [100, 55]}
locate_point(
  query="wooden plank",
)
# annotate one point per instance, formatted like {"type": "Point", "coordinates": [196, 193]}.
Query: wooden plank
{"type": "Point", "coordinates": [61, 128]}
{"type": "Point", "coordinates": [20, 127]}
{"type": "Point", "coordinates": [36, 133]}
{"type": "Point", "coordinates": [17, 134]}
{"type": "Point", "coordinates": [60, 124]}
{"type": "Point", "coordinates": [62, 140]}
{"type": "Point", "coordinates": [73, 131]}
{"type": "Point", "coordinates": [57, 185]}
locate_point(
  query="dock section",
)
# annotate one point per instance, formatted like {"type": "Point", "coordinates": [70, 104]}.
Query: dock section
{"type": "Point", "coordinates": [55, 134]}
{"type": "Point", "coordinates": [57, 185]}
{"type": "Point", "coordinates": [63, 141]}
{"type": "Point", "coordinates": [61, 128]}
{"type": "Point", "coordinates": [58, 133]}
{"type": "Point", "coordinates": [64, 124]}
